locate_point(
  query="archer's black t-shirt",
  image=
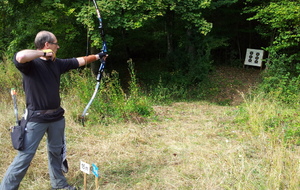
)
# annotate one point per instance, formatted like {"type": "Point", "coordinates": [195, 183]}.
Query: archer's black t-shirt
{"type": "Point", "coordinates": [41, 81]}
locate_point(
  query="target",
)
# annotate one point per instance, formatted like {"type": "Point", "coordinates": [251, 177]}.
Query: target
{"type": "Point", "coordinates": [254, 57]}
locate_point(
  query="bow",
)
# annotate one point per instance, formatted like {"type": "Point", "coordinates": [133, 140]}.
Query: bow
{"type": "Point", "coordinates": [102, 65]}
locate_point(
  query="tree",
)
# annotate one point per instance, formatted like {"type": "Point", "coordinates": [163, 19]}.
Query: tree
{"type": "Point", "coordinates": [142, 28]}
{"type": "Point", "coordinates": [24, 18]}
{"type": "Point", "coordinates": [6, 13]}
{"type": "Point", "coordinates": [280, 21]}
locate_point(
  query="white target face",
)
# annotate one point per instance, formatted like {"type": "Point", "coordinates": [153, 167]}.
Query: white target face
{"type": "Point", "coordinates": [254, 57]}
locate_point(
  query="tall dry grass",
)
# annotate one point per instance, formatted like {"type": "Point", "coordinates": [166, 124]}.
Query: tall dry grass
{"type": "Point", "coordinates": [187, 146]}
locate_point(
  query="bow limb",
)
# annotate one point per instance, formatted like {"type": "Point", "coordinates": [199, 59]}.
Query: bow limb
{"type": "Point", "coordinates": [102, 65]}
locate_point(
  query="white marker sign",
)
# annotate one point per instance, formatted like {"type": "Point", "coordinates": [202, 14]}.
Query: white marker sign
{"type": "Point", "coordinates": [84, 167]}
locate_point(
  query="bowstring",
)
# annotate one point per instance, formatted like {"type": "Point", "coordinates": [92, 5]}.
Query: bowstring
{"type": "Point", "coordinates": [87, 35]}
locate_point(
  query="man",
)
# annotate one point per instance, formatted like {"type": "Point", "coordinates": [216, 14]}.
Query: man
{"type": "Point", "coordinates": [41, 72]}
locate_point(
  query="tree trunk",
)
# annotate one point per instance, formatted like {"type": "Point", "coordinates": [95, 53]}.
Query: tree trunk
{"type": "Point", "coordinates": [169, 30]}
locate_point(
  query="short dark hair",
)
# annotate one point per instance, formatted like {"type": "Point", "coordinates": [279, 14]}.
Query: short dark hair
{"type": "Point", "coordinates": [42, 37]}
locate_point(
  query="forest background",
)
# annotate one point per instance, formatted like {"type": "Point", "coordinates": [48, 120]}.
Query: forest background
{"type": "Point", "coordinates": [165, 51]}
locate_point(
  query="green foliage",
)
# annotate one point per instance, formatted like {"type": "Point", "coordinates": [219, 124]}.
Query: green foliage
{"type": "Point", "coordinates": [288, 123]}
{"type": "Point", "coordinates": [137, 104]}
{"type": "Point", "coordinates": [123, 21]}
{"type": "Point", "coordinates": [185, 72]}
{"type": "Point", "coordinates": [283, 88]}
{"type": "Point", "coordinates": [281, 80]}
{"type": "Point", "coordinates": [10, 77]}
{"type": "Point", "coordinates": [5, 12]}
{"type": "Point", "coordinates": [23, 19]}
{"type": "Point", "coordinates": [175, 32]}
{"type": "Point", "coordinates": [165, 91]}
{"type": "Point", "coordinates": [261, 112]}
{"type": "Point", "coordinates": [192, 13]}
{"type": "Point", "coordinates": [219, 3]}
{"type": "Point", "coordinates": [111, 103]}
{"type": "Point", "coordinates": [132, 14]}
{"type": "Point", "coordinates": [280, 21]}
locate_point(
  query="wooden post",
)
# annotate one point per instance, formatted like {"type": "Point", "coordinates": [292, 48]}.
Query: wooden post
{"type": "Point", "coordinates": [84, 167]}
{"type": "Point", "coordinates": [96, 182]}
{"type": "Point", "coordinates": [84, 181]}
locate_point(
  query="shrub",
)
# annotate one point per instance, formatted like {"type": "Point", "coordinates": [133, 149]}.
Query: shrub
{"type": "Point", "coordinates": [111, 103]}
{"type": "Point", "coordinates": [280, 81]}
{"type": "Point", "coordinates": [10, 78]}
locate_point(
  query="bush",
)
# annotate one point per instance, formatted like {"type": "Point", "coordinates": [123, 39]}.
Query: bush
{"type": "Point", "coordinates": [111, 103]}
{"type": "Point", "coordinates": [281, 81]}
{"type": "Point", "coordinates": [10, 78]}
{"type": "Point", "coordinates": [263, 113]}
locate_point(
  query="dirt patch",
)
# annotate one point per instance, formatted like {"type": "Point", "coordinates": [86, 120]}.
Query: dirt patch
{"type": "Point", "coordinates": [232, 82]}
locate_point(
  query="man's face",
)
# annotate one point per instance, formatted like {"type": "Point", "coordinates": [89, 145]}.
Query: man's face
{"type": "Point", "coordinates": [53, 45]}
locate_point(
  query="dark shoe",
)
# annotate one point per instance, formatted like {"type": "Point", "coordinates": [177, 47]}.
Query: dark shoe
{"type": "Point", "coordinates": [69, 187]}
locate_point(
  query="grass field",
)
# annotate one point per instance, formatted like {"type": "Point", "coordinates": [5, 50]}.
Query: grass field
{"type": "Point", "coordinates": [251, 143]}
{"type": "Point", "coordinates": [194, 145]}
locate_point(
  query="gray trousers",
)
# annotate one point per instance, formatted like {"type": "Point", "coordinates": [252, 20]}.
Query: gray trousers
{"type": "Point", "coordinates": [35, 132]}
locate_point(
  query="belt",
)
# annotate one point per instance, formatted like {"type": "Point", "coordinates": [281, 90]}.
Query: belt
{"type": "Point", "coordinates": [42, 112]}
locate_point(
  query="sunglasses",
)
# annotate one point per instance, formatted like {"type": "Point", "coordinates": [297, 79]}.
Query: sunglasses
{"type": "Point", "coordinates": [53, 43]}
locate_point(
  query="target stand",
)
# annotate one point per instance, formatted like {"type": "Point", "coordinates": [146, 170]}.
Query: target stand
{"type": "Point", "coordinates": [254, 57]}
